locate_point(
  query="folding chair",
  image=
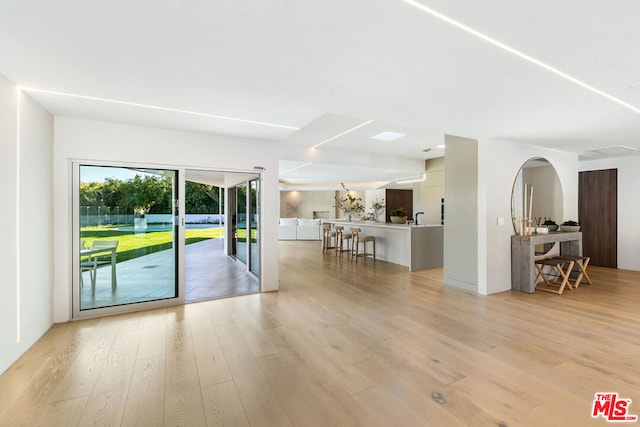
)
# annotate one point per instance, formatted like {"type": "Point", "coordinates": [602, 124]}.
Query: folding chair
{"type": "Point", "coordinates": [559, 278]}
{"type": "Point", "coordinates": [582, 262]}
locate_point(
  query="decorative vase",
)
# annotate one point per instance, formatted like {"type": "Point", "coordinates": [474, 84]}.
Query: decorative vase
{"type": "Point", "coordinates": [398, 219]}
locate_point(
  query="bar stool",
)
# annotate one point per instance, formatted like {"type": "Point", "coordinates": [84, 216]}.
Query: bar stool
{"type": "Point", "coordinates": [341, 236]}
{"type": "Point", "coordinates": [582, 262]}
{"type": "Point", "coordinates": [327, 236]}
{"type": "Point", "coordinates": [361, 238]}
{"type": "Point", "coordinates": [559, 278]}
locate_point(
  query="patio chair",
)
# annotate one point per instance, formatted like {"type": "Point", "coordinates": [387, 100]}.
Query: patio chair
{"type": "Point", "coordinates": [101, 259]}
{"type": "Point", "coordinates": [106, 244]}
{"type": "Point", "coordinates": [89, 265]}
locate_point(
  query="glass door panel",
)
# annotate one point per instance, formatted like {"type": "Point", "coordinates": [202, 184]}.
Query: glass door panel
{"type": "Point", "coordinates": [241, 223]}
{"type": "Point", "coordinates": [128, 236]}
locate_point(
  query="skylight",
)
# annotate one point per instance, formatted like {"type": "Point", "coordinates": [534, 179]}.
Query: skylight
{"type": "Point", "coordinates": [388, 136]}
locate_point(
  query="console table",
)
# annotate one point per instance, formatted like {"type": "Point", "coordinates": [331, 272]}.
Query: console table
{"type": "Point", "coordinates": [523, 270]}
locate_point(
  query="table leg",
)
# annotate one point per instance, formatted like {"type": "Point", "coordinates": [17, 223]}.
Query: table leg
{"type": "Point", "coordinates": [93, 275]}
{"type": "Point", "coordinates": [114, 283]}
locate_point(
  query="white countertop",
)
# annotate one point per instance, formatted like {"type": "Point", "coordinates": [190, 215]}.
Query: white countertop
{"type": "Point", "coordinates": [360, 223]}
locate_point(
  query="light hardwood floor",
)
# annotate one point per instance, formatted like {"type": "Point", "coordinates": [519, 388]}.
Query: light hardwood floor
{"type": "Point", "coordinates": [341, 344]}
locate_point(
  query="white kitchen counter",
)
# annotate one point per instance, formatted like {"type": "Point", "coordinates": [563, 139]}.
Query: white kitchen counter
{"type": "Point", "coordinates": [415, 246]}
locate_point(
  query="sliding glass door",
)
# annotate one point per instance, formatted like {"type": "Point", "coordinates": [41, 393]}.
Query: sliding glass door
{"type": "Point", "coordinates": [131, 233]}
{"type": "Point", "coordinates": [244, 199]}
{"type": "Point", "coordinates": [127, 237]}
{"type": "Point", "coordinates": [240, 223]}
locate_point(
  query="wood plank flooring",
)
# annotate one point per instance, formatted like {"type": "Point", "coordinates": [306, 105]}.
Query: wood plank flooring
{"type": "Point", "coordinates": [341, 344]}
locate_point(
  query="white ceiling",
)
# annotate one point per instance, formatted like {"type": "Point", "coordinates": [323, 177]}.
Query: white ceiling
{"type": "Point", "coordinates": [316, 69]}
{"type": "Point", "coordinates": [218, 178]}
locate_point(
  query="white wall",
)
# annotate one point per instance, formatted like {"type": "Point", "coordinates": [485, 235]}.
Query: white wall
{"type": "Point", "coordinates": [26, 247]}
{"type": "Point", "coordinates": [356, 194]}
{"type": "Point", "coordinates": [428, 194]}
{"type": "Point", "coordinates": [36, 219]}
{"type": "Point", "coordinates": [461, 213]}
{"type": "Point", "coordinates": [106, 142]}
{"type": "Point", "coordinates": [310, 201]}
{"type": "Point", "coordinates": [370, 196]}
{"type": "Point", "coordinates": [8, 218]}
{"type": "Point", "coordinates": [498, 165]}
{"type": "Point", "coordinates": [307, 202]}
{"type": "Point", "coordinates": [628, 207]}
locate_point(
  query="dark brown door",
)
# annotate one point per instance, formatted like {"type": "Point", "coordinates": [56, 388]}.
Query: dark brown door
{"type": "Point", "coordinates": [399, 199]}
{"type": "Point", "coordinates": [598, 212]}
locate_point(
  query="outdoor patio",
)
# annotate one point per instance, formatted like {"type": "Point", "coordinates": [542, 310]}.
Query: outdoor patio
{"type": "Point", "coordinates": [209, 274]}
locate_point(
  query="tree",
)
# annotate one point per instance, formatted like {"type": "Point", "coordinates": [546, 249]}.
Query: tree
{"type": "Point", "coordinates": [200, 198]}
{"type": "Point", "coordinates": [91, 193]}
{"type": "Point", "coordinates": [111, 192]}
{"type": "Point", "coordinates": [144, 193]}
{"type": "Point", "coordinates": [148, 194]}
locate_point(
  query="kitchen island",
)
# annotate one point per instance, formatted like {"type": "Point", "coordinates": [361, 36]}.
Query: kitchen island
{"type": "Point", "coordinates": [416, 246]}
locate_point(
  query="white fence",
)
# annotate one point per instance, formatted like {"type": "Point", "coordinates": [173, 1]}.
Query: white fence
{"type": "Point", "coordinates": [188, 218]}
{"type": "Point", "coordinates": [106, 219]}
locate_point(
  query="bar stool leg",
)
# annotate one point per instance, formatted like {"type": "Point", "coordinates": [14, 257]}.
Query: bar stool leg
{"type": "Point", "coordinates": [374, 251]}
{"type": "Point", "coordinates": [354, 249]}
{"type": "Point", "coordinates": [357, 251]}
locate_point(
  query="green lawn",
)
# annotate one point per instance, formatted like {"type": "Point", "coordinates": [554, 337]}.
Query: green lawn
{"type": "Point", "coordinates": [133, 245]}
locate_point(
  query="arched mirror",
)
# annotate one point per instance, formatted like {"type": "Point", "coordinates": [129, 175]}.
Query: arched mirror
{"type": "Point", "coordinates": [538, 179]}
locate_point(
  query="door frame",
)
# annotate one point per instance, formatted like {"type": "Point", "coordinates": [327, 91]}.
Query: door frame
{"type": "Point", "coordinates": [251, 214]}
{"type": "Point", "coordinates": [231, 195]}
{"type": "Point", "coordinates": [76, 313]}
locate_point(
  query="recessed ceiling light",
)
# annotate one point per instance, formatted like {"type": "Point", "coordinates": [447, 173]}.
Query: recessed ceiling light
{"type": "Point", "coordinates": [409, 179]}
{"type": "Point", "coordinates": [388, 136]}
{"type": "Point", "coordinates": [615, 151]}
{"type": "Point", "coordinates": [426, 150]}
{"type": "Point", "coordinates": [440, 146]}
{"type": "Point", "coordinates": [156, 107]}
